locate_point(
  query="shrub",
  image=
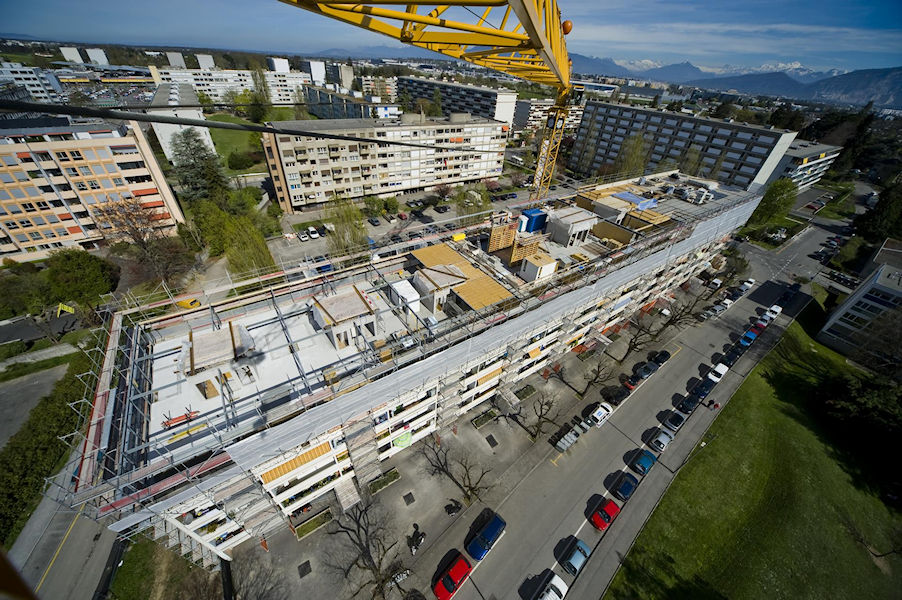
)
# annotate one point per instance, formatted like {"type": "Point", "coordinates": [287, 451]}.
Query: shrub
{"type": "Point", "coordinates": [240, 160]}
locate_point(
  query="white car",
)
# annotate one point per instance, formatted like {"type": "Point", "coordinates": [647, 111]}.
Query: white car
{"type": "Point", "coordinates": [660, 442]}
{"type": "Point", "coordinates": [717, 373]}
{"type": "Point", "coordinates": [313, 233]}
{"type": "Point", "coordinates": [774, 311]}
{"type": "Point", "coordinates": [302, 236]}
{"type": "Point", "coordinates": [601, 414]}
{"type": "Point", "coordinates": [555, 589]}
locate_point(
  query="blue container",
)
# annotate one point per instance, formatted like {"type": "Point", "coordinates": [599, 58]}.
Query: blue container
{"type": "Point", "coordinates": [536, 220]}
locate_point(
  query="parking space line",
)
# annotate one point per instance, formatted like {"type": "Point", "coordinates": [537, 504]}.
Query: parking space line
{"type": "Point", "coordinates": [554, 460]}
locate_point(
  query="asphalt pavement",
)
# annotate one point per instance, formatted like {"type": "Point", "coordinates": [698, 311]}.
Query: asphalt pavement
{"type": "Point", "coordinates": [18, 396]}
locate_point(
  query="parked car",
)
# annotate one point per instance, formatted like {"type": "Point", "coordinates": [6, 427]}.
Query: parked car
{"type": "Point", "coordinates": [374, 221]}
{"type": "Point", "coordinates": [661, 357]}
{"type": "Point", "coordinates": [604, 514]}
{"type": "Point", "coordinates": [555, 589]}
{"type": "Point", "coordinates": [746, 285]}
{"type": "Point", "coordinates": [674, 421]}
{"type": "Point", "coordinates": [402, 216]}
{"type": "Point", "coordinates": [391, 219]}
{"type": "Point", "coordinates": [302, 236]}
{"type": "Point", "coordinates": [757, 329]}
{"type": "Point", "coordinates": [715, 311]}
{"type": "Point", "coordinates": [747, 338]}
{"type": "Point", "coordinates": [687, 405]}
{"type": "Point", "coordinates": [717, 373]}
{"type": "Point", "coordinates": [774, 311]}
{"type": "Point", "coordinates": [601, 413]}
{"type": "Point", "coordinates": [576, 559]}
{"type": "Point", "coordinates": [614, 394]}
{"type": "Point", "coordinates": [632, 381]}
{"type": "Point", "coordinates": [625, 486]}
{"type": "Point", "coordinates": [647, 369]}
{"type": "Point", "coordinates": [442, 209]}
{"type": "Point", "coordinates": [732, 355]}
{"type": "Point", "coordinates": [660, 443]}
{"type": "Point", "coordinates": [312, 232]}
{"type": "Point", "coordinates": [449, 226]}
{"type": "Point", "coordinates": [397, 239]}
{"type": "Point", "coordinates": [451, 580]}
{"type": "Point", "coordinates": [643, 462]}
{"type": "Point", "coordinates": [703, 388]}
{"type": "Point", "coordinates": [486, 538]}
{"type": "Point", "coordinates": [412, 235]}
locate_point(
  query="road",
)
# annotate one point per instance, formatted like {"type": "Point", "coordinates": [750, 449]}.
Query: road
{"type": "Point", "coordinates": [18, 396]}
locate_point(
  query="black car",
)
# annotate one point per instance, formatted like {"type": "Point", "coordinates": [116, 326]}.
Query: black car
{"type": "Point", "coordinates": [442, 209]}
{"type": "Point", "coordinates": [412, 235]}
{"type": "Point", "coordinates": [661, 357]}
{"type": "Point", "coordinates": [732, 356]}
{"type": "Point", "coordinates": [647, 370]}
{"type": "Point", "coordinates": [687, 405]}
{"type": "Point", "coordinates": [615, 394]}
{"type": "Point", "coordinates": [704, 388]}
{"type": "Point", "coordinates": [417, 213]}
{"type": "Point", "coordinates": [397, 239]}
{"type": "Point", "coordinates": [374, 221]}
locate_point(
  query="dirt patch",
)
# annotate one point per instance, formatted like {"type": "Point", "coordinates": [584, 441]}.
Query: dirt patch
{"type": "Point", "coordinates": [163, 560]}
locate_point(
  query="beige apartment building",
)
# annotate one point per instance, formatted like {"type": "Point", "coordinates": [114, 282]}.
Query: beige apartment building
{"type": "Point", "coordinates": [309, 171]}
{"type": "Point", "coordinates": [54, 173]}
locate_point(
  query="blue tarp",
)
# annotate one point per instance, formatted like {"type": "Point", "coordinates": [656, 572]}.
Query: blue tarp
{"type": "Point", "coordinates": [641, 203]}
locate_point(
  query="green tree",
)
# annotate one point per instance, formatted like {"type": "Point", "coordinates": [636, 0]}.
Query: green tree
{"type": "Point", "coordinates": [260, 104]}
{"type": "Point", "coordinates": [349, 235]}
{"type": "Point", "coordinates": [777, 200]}
{"type": "Point", "coordinates": [231, 99]}
{"type": "Point", "coordinates": [78, 276]}
{"type": "Point", "coordinates": [656, 101]}
{"type": "Point", "coordinates": [246, 250]}
{"type": "Point", "coordinates": [885, 219]}
{"type": "Point", "coordinates": [300, 105]}
{"type": "Point", "coordinates": [372, 206]}
{"type": "Point", "coordinates": [633, 156]}
{"type": "Point", "coordinates": [205, 101]}
{"type": "Point", "coordinates": [238, 161]}
{"type": "Point", "coordinates": [391, 204]}
{"type": "Point", "coordinates": [197, 168]}
{"type": "Point", "coordinates": [529, 159]}
{"type": "Point", "coordinates": [676, 106]}
{"type": "Point", "coordinates": [406, 102]}
{"type": "Point", "coordinates": [436, 103]}
{"type": "Point", "coordinates": [723, 111]}
{"type": "Point", "coordinates": [692, 161]}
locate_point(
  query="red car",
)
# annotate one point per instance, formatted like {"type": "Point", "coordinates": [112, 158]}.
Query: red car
{"type": "Point", "coordinates": [453, 578]}
{"type": "Point", "coordinates": [757, 329]}
{"type": "Point", "coordinates": [605, 514]}
{"type": "Point", "coordinates": [402, 216]}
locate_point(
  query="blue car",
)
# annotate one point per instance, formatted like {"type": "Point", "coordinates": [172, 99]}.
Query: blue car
{"type": "Point", "coordinates": [704, 388]}
{"type": "Point", "coordinates": [626, 485]}
{"type": "Point", "coordinates": [643, 462]}
{"type": "Point", "coordinates": [486, 537]}
{"type": "Point", "coordinates": [747, 339]}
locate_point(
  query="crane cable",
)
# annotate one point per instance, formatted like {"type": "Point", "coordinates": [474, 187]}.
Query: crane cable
{"type": "Point", "coordinates": [105, 113]}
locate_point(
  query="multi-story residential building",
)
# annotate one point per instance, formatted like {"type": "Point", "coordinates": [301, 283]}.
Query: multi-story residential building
{"type": "Point", "coordinates": [281, 402]}
{"type": "Point", "coordinates": [42, 85]}
{"type": "Point", "coordinates": [340, 74]}
{"type": "Point", "coordinates": [806, 162]}
{"type": "Point", "coordinates": [53, 174]}
{"type": "Point", "coordinates": [879, 292]}
{"type": "Point", "coordinates": [71, 54]}
{"type": "Point", "coordinates": [384, 87]}
{"type": "Point", "coordinates": [280, 65]}
{"type": "Point", "coordinates": [97, 56]}
{"type": "Point", "coordinates": [316, 69]}
{"type": "Point", "coordinates": [176, 60]}
{"type": "Point", "coordinates": [166, 101]}
{"type": "Point", "coordinates": [10, 90]}
{"type": "Point", "coordinates": [744, 155]}
{"type": "Point", "coordinates": [309, 171]}
{"type": "Point", "coordinates": [205, 61]}
{"type": "Point", "coordinates": [532, 114]}
{"type": "Point", "coordinates": [215, 84]}
{"type": "Point", "coordinates": [491, 103]}
{"type": "Point", "coordinates": [329, 104]}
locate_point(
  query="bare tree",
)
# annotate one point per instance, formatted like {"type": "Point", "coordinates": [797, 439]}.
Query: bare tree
{"type": "Point", "coordinates": [641, 333]}
{"type": "Point", "coordinates": [546, 412]}
{"type": "Point", "coordinates": [367, 556]}
{"type": "Point", "coordinates": [464, 472]}
{"type": "Point", "coordinates": [600, 372]}
{"type": "Point", "coordinates": [256, 579]}
{"type": "Point", "coordinates": [684, 312]}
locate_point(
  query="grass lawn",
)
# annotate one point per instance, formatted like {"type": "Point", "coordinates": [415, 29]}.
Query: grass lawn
{"type": "Point", "coordinates": [767, 508]}
{"type": "Point", "coordinates": [227, 141]}
{"type": "Point", "coordinates": [148, 569]}
{"type": "Point", "coordinates": [27, 368]}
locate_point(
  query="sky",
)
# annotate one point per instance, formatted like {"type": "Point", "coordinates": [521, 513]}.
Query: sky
{"type": "Point", "coordinates": [709, 33]}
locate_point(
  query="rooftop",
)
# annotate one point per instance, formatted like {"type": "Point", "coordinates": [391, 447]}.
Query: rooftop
{"type": "Point", "coordinates": [464, 86]}
{"type": "Point", "coordinates": [51, 125]}
{"type": "Point", "coordinates": [169, 94]}
{"type": "Point", "coordinates": [358, 124]}
{"type": "Point", "coordinates": [478, 291]}
{"type": "Point", "coordinates": [890, 253]}
{"type": "Point", "coordinates": [805, 149]}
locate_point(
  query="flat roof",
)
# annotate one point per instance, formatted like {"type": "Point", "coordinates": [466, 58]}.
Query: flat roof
{"type": "Point", "coordinates": [354, 99]}
{"type": "Point", "coordinates": [478, 291]}
{"type": "Point", "coordinates": [539, 259]}
{"type": "Point", "coordinates": [41, 126]}
{"type": "Point", "coordinates": [465, 86]}
{"type": "Point", "coordinates": [333, 124]}
{"type": "Point", "coordinates": [890, 253]}
{"type": "Point", "coordinates": [343, 307]}
{"type": "Point", "coordinates": [805, 149]}
{"type": "Point", "coordinates": [185, 95]}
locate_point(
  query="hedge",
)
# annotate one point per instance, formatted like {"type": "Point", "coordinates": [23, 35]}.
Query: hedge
{"type": "Point", "coordinates": [35, 451]}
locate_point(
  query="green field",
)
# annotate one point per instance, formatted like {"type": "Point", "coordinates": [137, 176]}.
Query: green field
{"type": "Point", "coordinates": [228, 140]}
{"type": "Point", "coordinates": [767, 509]}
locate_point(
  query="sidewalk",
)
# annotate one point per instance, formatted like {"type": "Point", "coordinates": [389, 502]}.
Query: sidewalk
{"type": "Point", "coordinates": [38, 355]}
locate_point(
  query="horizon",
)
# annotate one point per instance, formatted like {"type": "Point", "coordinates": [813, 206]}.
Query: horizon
{"type": "Point", "coordinates": [645, 34]}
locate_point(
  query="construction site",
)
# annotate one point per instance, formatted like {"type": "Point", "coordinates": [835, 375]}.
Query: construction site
{"type": "Point", "coordinates": [275, 395]}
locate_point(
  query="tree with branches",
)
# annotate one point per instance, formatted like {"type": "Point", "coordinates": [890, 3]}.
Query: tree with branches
{"type": "Point", "coordinates": [443, 191]}
{"type": "Point", "coordinates": [367, 553]}
{"type": "Point", "coordinates": [600, 372]}
{"type": "Point", "coordinates": [463, 471]}
{"type": "Point", "coordinates": [641, 333]}
{"type": "Point", "coordinates": [546, 414]}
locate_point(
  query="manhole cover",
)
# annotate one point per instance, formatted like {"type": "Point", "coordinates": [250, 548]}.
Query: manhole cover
{"type": "Point", "coordinates": [491, 440]}
{"type": "Point", "coordinates": [304, 569]}
{"type": "Point", "coordinates": [408, 498]}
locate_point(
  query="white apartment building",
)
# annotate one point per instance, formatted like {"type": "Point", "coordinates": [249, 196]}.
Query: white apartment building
{"type": "Point", "coordinates": [97, 56]}
{"type": "Point", "coordinates": [490, 103]}
{"type": "Point", "coordinates": [205, 61]}
{"type": "Point", "coordinates": [165, 102]}
{"type": "Point", "coordinates": [325, 103]}
{"type": "Point", "coordinates": [806, 162]}
{"type": "Point", "coordinates": [53, 174]}
{"type": "Point", "coordinates": [71, 54]}
{"type": "Point", "coordinates": [340, 74]}
{"type": "Point", "coordinates": [745, 155]}
{"type": "Point", "coordinates": [533, 113]}
{"type": "Point", "coordinates": [292, 418]}
{"type": "Point", "coordinates": [309, 171]}
{"type": "Point", "coordinates": [42, 85]}
{"type": "Point", "coordinates": [384, 87]}
{"type": "Point", "coordinates": [176, 60]}
{"type": "Point", "coordinates": [316, 69]}
{"type": "Point", "coordinates": [279, 65]}
{"type": "Point", "coordinates": [216, 83]}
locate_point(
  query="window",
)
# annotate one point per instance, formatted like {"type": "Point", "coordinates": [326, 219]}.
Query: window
{"type": "Point", "coordinates": [84, 170]}
{"type": "Point", "coordinates": [93, 184]}
{"type": "Point", "coordinates": [62, 156]}
{"type": "Point", "coordinates": [35, 235]}
{"type": "Point", "coordinates": [11, 225]}
{"type": "Point", "coordinates": [80, 185]}
{"type": "Point", "coordinates": [28, 206]}
{"type": "Point", "coordinates": [24, 223]}
{"type": "Point", "coordinates": [72, 171]}
{"type": "Point", "coordinates": [76, 155]}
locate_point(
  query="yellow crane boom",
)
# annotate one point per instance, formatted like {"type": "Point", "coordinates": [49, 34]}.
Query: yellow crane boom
{"type": "Point", "coordinates": [523, 38]}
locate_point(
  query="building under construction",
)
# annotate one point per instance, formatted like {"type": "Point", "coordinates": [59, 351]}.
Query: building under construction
{"type": "Point", "coordinates": [246, 412]}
